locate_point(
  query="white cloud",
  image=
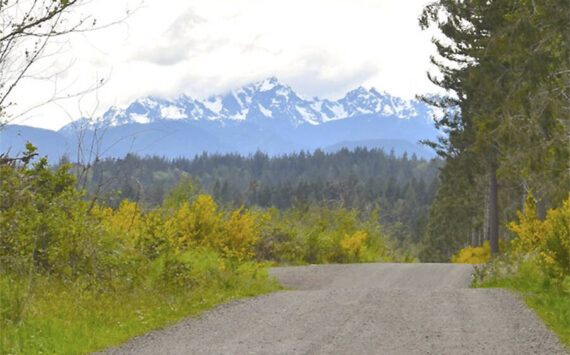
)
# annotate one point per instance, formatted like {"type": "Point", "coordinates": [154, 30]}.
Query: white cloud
{"type": "Point", "coordinates": [319, 47]}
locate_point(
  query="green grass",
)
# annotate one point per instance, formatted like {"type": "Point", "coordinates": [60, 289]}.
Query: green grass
{"type": "Point", "coordinates": [59, 320]}
{"type": "Point", "coordinates": [550, 302]}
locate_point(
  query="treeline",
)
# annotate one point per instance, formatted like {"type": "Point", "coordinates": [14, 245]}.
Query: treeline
{"type": "Point", "coordinates": [402, 187]}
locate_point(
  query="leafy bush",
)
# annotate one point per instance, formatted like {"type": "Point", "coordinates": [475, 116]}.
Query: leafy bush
{"type": "Point", "coordinates": [530, 230]}
{"type": "Point", "coordinates": [354, 246]}
{"type": "Point", "coordinates": [46, 226]}
{"type": "Point", "coordinates": [537, 265]}
{"type": "Point", "coordinates": [473, 255]}
{"type": "Point", "coordinates": [549, 238]}
{"type": "Point", "coordinates": [505, 266]}
{"type": "Point", "coordinates": [555, 250]}
{"type": "Point", "coordinates": [202, 225]}
{"type": "Point", "coordinates": [241, 233]}
{"type": "Point", "coordinates": [195, 225]}
{"type": "Point", "coordinates": [547, 243]}
{"type": "Point", "coordinates": [312, 234]}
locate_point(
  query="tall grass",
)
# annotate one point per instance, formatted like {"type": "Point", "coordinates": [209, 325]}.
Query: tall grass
{"type": "Point", "coordinates": [59, 318]}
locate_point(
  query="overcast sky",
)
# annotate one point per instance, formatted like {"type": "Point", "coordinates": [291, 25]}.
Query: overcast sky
{"type": "Point", "coordinates": [168, 47]}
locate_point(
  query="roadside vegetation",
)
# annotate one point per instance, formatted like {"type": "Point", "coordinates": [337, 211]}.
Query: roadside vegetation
{"type": "Point", "coordinates": [536, 264]}
{"type": "Point", "coordinates": [77, 276]}
{"type": "Point", "coordinates": [504, 67]}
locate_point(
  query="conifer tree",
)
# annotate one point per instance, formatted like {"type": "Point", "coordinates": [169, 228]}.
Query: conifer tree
{"type": "Point", "coordinates": [505, 65]}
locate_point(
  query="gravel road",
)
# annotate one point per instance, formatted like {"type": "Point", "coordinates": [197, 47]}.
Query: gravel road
{"type": "Point", "coordinates": [362, 309]}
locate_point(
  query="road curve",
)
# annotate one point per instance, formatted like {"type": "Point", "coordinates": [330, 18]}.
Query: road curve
{"type": "Point", "coordinates": [362, 309]}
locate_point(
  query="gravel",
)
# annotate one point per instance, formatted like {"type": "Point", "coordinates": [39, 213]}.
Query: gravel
{"type": "Point", "coordinates": [361, 309]}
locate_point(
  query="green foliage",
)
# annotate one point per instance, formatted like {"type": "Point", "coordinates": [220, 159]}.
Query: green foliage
{"type": "Point", "coordinates": [537, 265]}
{"type": "Point", "coordinates": [530, 230]}
{"type": "Point", "coordinates": [76, 276]}
{"type": "Point", "coordinates": [522, 274]}
{"type": "Point", "coordinates": [555, 253]}
{"type": "Point", "coordinates": [473, 255]}
{"type": "Point", "coordinates": [186, 190]}
{"type": "Point", "coordinates": [361, 179]}
{"type": "Point", "coordinates": [45, 224]}
{"type": "Point", "coordinates": [63, 318]}
{"type": "Point", "coordinates": [311, 234]}
{"type": "Point", "coordinates": [549, 238]}
{"type": "Point", "coordinates": [506, 67]}
{"type": "Point", "coordinates": [454, 215]}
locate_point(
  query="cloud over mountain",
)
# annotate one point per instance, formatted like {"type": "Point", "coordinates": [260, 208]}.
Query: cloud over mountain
{"type": "Point", "coordinates": [266, 115]}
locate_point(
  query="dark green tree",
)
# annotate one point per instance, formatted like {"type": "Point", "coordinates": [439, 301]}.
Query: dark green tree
{"type": "Point", "coordinates": [494, 57]}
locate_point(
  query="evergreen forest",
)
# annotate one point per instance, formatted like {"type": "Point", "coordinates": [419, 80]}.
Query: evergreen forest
{"type": "Point", "coordinates": [400, 188]}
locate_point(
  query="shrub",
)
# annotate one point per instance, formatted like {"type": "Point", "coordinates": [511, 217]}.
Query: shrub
{"type": "Point", "coordinates": [555, 249]}
{"type": "Point", "coordinates": [46, 228]}
{"type": "Point", "coordinates": [530, 230]}
{"type": "Point", "coordinates": [320, 235]}
{"type": "Point", "coordinates": [473, 255]}
{"type": "Point", "coordinates": [241, 234]}
{"type": "Point", "coordinates": [549, 238]}
{"type": "Point", "coordinates": [354, 246]}
{"type": "Point", "coordinates": [195, 225]}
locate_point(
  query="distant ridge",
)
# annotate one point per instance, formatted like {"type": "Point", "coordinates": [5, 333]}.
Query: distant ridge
{"type": "Point", "coordinates": [267, 116]}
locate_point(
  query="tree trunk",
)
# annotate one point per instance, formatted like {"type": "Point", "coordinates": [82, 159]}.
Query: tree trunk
{"type": "Point", "coordinates": [486, 221]}
{"type": "Point", "coordinates": [493, 212]}
{"type": "Point", "coordinates": [541, 204]}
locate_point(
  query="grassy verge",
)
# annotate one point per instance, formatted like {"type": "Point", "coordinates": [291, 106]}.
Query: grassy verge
{"type": "Point", "coordinates": [58, 319]}
{"type": "Point", "coordinates": [551, 303]}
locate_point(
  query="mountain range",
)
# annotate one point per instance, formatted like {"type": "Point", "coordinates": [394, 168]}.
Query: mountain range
{"type": "Point", "coordinates": [267, 116]}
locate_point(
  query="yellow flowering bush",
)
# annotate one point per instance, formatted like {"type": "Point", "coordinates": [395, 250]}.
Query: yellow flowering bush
{"type": "Point", "coordinates": [550, 238]}
{"type": "Point", "coordinates": [202, 225]}
{"type": "Point", "coordinates": [530, 230]}
{"type": "Point", "coordinates": [354, 245]}
{"type": "Point", "coordinates": [198, 224]}
{"type": "Point", "coordinates": [473, 255]}
{"type": "Point", "coordinates": [555, 250]}
{"type": "Point", "coordinates": [126, 221]}
{"type": "Point", "coordinates": [241, 234]}
{"type": "Point", "coordinates": [154, 239]}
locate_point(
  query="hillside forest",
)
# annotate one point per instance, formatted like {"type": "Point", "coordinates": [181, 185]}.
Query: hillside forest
{"type": "Point", "coordinates": [399, 189]}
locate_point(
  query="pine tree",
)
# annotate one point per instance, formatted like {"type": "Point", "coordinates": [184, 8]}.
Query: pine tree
{"type": "Point", "coordinates": [494, 58]}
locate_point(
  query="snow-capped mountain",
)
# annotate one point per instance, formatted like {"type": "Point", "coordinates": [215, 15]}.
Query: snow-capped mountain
{"type": "Point", "coordinates": [267, 116]}
{"type": "Point", "coordinates": [265, 100]}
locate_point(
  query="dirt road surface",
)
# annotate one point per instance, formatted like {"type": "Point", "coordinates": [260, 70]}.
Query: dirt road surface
{"type": "Point", "coordinates": [362, 309]}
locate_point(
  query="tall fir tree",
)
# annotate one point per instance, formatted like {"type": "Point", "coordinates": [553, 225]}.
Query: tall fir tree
{"type": "Point", "coordinates": [505, 67]}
